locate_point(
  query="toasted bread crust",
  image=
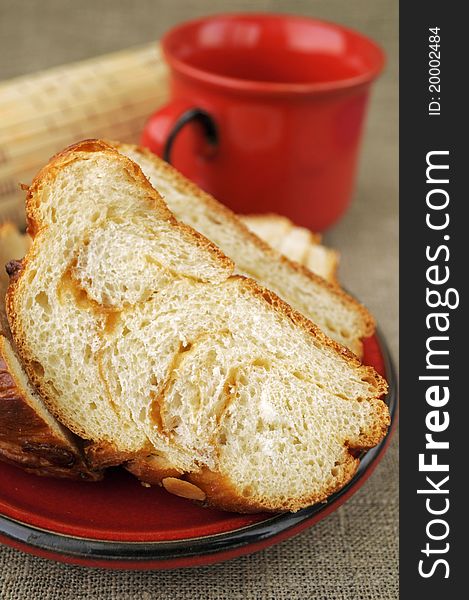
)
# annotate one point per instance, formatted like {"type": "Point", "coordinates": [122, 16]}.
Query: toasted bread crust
{"type": "Point", "coordinates": [368, 324]}
{"type": "Point", "coordinates": [220, 492]}
{"type": "Point", "coordinates": [27, 441]}
{"type": "Point", "coordinates": [101, 455]}
{"type": "Point", "coordinates": [152, 469]}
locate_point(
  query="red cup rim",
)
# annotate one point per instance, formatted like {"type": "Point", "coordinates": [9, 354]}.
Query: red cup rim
{"type": "Point", "coordinates": [256, 86]}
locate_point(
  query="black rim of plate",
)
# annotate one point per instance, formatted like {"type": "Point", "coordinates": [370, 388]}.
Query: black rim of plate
{"type": "Point", "coordinates": [88, 548]}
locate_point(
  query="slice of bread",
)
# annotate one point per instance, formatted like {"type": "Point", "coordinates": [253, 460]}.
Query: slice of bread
{"type": "Point", "coordinates": [135, 331]}
{"type": "Point", "coordinates": [30, 437]}
{"type": "Point", "coordinates": [340, 317]}
{"type": "Point", "coordinates": [274, 229]}
{"type": "Point", "coordinates": [296, 243]}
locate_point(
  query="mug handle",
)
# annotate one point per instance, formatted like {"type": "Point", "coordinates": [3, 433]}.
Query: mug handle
{"type": "Point", "coordinates": [164, 125]}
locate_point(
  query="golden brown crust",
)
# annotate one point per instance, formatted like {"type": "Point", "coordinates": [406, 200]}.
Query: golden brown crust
{"type": "Point", "coordinates": [375, 432]}
{"type": "Point", "coordinates": [219, 492]}
{"type": "Point", "coordinates": [104, 454]}
{"type": "Point", "coordinates": [27, 441]}
{"type": "Point", "coordinates": [152, 469]}
{"type": "Point", "coordinates": [184, 185]}
{"type": "Point", "coordinates": [222, 494]}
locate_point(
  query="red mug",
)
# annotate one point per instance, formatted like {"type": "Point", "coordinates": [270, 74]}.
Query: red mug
{"type": "Point", "coordinates": [267, 112]}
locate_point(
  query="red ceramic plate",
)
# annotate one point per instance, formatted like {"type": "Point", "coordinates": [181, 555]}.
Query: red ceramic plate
{"type": "Point", "coordinates": [117, 523]}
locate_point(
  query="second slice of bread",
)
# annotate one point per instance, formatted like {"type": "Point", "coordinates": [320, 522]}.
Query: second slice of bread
{"type": "Point", "coordinates": [339, 315]}
{"type": "Point", "coordinates": [138, 337]}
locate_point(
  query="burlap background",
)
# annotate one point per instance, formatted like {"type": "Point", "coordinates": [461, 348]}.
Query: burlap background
{"type": "Point", "coordinates": [352, 555]}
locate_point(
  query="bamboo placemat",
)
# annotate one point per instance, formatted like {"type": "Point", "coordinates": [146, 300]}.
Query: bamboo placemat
{"type": "Point", "coordinates": [108, 97]}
